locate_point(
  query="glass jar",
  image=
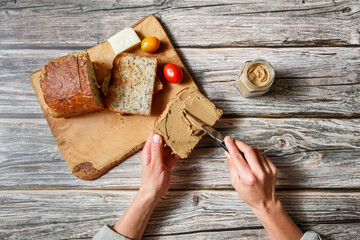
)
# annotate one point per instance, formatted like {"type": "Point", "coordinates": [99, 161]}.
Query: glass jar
{"type": "Point", "coordinates": [259, 72]}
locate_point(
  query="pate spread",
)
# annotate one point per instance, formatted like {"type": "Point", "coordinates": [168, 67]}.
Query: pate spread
{"type": "Point", "coordinates": [259, 74]}
{"type": "Point", "coordinates": [176, 129]}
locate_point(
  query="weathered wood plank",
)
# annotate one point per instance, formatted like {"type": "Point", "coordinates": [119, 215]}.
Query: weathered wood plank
{"type": "Point", "coordinates": [310, 81]}
{"type": "Point", "coordinates": [217, 23]}
{"type": "Point", "coordinates": [306, 82]}
{"type": "Point", "coordinates": [78, 214]}
{"type": "Point", "coordinates": [309, 153]}
{"type": "Point", "coordinates": [328, 231]}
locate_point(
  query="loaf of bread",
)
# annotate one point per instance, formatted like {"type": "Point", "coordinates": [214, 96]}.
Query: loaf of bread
{"type": "Point", "coordinates": [69, 86]}
{"type": "Point", "coordinates": [132, 84]}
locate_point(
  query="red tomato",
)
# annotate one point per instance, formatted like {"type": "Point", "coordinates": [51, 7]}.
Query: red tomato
{"type": "Point", "coordinates": [173, 73]}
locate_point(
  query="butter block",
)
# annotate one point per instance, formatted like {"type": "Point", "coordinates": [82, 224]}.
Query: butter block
{"type": "Point", "coordinates": [124, 40]}
{"type": "Point", "coordinates": [173, 125]}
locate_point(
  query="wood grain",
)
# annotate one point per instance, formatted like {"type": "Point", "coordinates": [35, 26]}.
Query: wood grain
{"type": "Point", "coordinates": [329, 231]}
{"type": "Point", "coordinates": [325, 81]}
{"type": "Point", "coordinates": [309, 153]}
{"type": "Point", "coordinates": [314, 47]}
{"type": "Point", "coordinates": [79, 214]}
{"type": "Point", "coordinates": [216, 23]}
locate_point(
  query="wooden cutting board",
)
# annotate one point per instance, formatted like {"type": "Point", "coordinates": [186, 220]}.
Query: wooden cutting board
{"type": "Point", "coordinates": [93, 143]}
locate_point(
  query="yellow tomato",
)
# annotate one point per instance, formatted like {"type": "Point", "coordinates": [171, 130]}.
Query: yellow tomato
{"type": "Point", "coordinates": [150, 44]}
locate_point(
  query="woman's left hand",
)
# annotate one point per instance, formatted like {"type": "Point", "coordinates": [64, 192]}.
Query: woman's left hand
{"type": "Point", "coordinates": [156, 164]}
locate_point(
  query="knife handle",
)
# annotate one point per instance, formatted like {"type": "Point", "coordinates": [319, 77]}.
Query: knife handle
{"type": "Point", "coordinates": [222, 144]}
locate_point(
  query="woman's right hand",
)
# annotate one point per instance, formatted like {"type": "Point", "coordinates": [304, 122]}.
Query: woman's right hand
{"type": "Point", "coordinates": [254, 178]}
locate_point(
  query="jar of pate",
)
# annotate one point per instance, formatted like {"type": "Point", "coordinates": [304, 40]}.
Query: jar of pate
{"type": "Point", "coordinates": [255, 79]}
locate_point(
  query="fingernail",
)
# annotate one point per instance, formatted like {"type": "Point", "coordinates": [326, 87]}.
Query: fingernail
{"type": "Point", "coordinates": [227, 138]}
{"type": "Point", "coordinates": [157, 138]}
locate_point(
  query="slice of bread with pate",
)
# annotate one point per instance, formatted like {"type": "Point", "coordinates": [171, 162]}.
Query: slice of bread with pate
{"type": "Point", "coordinates": [132, 84]}
{"type": "Point", "coordinates": [177, 129]}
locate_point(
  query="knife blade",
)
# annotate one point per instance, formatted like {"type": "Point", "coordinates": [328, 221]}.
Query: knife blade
{"type": "Point", "coordinates": [210, 131]}
{"type": "Point", "coordinates": [207, 129]}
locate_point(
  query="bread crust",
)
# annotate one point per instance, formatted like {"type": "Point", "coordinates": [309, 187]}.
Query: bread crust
{"type": "Point", "coordinates": [159, 86]}
{"type": "Point", "coordinates": [114, 80]}
{"type": "Point", "coordinates": [65, 86]}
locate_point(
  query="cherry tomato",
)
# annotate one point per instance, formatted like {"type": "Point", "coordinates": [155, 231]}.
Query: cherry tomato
{"type": "Point", "coordinates": [173, 73]}
{"type": "Point", "coordinates": [150, 44]}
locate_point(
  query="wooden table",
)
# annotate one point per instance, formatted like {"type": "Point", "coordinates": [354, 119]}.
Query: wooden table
{"type": "Point", "coordinates": [308, 125]}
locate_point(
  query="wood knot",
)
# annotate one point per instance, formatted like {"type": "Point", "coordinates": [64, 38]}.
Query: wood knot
{"type": "Point", "coordinates": [280, 142]}
{"type": "Point", "coordinates": [86, 171]}
{"type": "Point", "coordinates": [196, 200]}
{"type": "Point", "coordinates": [287, 143]}
{"type": "Point", "coordinates": [347, 9]}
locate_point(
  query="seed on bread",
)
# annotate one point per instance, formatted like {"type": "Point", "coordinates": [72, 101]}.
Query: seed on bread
{"type": "Point", "coordinates": [132, 84]}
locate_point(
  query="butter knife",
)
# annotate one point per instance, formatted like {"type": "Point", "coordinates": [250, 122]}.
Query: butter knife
{"type": "Point", "coordinates": [208, 129]}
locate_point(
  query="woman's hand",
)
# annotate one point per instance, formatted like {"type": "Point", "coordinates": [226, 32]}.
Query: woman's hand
{"type": "Point", "coordinates": [156, 164]}
{"type": "Point", "coordinates": [254, 178]}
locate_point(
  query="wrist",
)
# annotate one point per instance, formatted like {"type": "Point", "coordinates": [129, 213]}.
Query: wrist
{"type": "Point", "coordinates": [148, 195]}
{"type": "Point", "coordinates": [277, 222]}
{"type": "Point", "coordinates": [268, 208]}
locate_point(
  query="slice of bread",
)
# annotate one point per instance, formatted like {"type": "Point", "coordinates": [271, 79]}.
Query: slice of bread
{"type": "Point", "coordinates": [132, 84]}
{"type": "Point", "coordinates": [159, 86]}
{"type": "Point", "coordinates": [69, 86]}
{"type": "Point", "coordinates": [105, 84]}
{"type": "Point", "coordinates": [88, 78]}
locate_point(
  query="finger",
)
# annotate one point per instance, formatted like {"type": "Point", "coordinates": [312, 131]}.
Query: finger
{"type": "Point", "coordinates": [265, 162]}
{"type": "Point", "coordinates": [146, 152]}
{"type": "Point", "coordinates": [234, 176]}
{"type": "Point", "coordinates": [157, 150]}
{"type": "Point", "coordinates": [170, 159]}
{"type": "Point", "coordinates": [271, 165]}
{"type": "Point", "coordinates": [239, 162]}
{"type": "Point", "coordinates": [167, 151]}
{"type": "Point", "coordinates": [262, 161]}
{"type": "Point", "coordinates": [250, 155]}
